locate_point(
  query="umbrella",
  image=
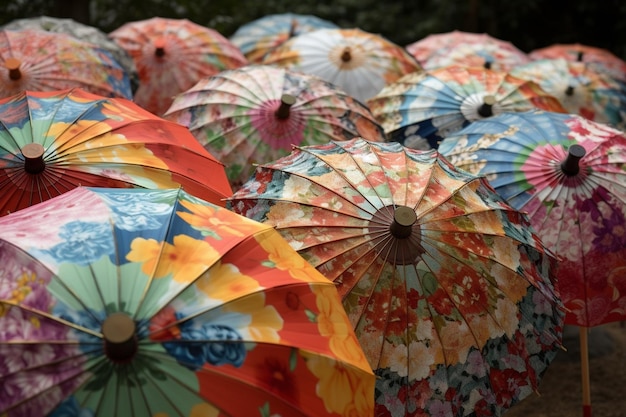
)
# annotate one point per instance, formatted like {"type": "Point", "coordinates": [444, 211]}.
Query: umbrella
{"type": "Point", "coordinates": [47, 61]}
{"type": "Point", "coordinates": [257, 37]}
{"type": "Point", "coordinates": [447, 287]}
{"type": "Point", "coordinates": [256, 113]}
{"type": "Point", "coordinates": [82, 32]}
{"type": "Point", "coordinates": [156, 303]}
{"type": "Point", "coordinates": [569, 174]}
{"type": "Point", "coordinates": [420, 109]}
{"type": "Point", "coordinates": [358, 62]}
{"type": "Point", "coordinates": [466, 48]}
{"type": "Point", "coordinates": [580, 89]}
{"type": "Point", "coordinates": [599, 58]}
{"type": "Point", "coordinates": [52, 142]}
{"type": "Point", "coordinates": [172, 55]}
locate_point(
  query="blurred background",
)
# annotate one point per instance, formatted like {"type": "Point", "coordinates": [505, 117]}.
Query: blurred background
{"type": "Point", "coordinates": [528, 24]}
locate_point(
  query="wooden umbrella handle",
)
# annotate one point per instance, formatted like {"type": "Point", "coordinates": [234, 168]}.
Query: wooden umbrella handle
{"type": "Point", "coordinates": [584, 365]}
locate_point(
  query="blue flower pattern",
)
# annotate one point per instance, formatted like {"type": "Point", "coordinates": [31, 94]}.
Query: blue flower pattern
{"type": "Point", "coordinates": [83, 243]}
{"type": "Point", "coordinates": [209, 348]}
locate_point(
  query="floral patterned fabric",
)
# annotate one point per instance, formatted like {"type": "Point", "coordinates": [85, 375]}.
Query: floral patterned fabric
{"type": "Point", "coordinates": [229, 320]}
{"type": "Point", "coordinates": [440, 50]}
{"type": "Point", "coordinates": [258, 37]}
{"type": "Point", "coordinates": [91, 140]}
{"type": "Point", "coordinates": [358, 62]}
{"type": "Point", "coordinates": [421, 109]}
{"type": "Point", "coordinates": [79, 31]}
{"type": "Point", "coordinates": [50, 61]}
{"type": "Point", "coordinates": [459, 316]}
{"type": "Point", "coordinates": [171, 55]}
{"type": "Point", "coordinates": [600, 59]}
{"type": "Point", "coordinates": [580, 88]}
{"type": "Point", "coordinates": [579, 217]}
{"type": "Point", "coordinates": [234, 115]}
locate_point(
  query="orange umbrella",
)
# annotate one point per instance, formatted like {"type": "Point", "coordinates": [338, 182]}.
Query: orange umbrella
{"type": "Point", "coordinates": [52, 142]}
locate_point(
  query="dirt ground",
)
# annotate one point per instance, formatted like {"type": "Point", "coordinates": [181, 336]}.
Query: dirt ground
{"type": "Point", "coordinates": [560, 391]}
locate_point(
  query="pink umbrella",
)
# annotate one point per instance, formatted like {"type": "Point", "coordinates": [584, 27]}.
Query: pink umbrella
{"type": "Point", "coordinates": [172, 55]}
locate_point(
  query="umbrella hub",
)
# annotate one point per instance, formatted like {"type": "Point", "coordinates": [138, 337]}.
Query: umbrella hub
{"type": "Point", "coordinates": [486, 108]}
{"type": "Point", "coordinates": [159, 47]}
{"type": "Point", "coordinates": [13, 65]}
{"type": "Point", "coordinates": [570, 166]}
{"type": "Point", "coordinates": [396, 234]}
{"type": "Point", "coordinates": [286, 101]}
{"type": "Point", "coordinates": [120, 340]}
{"type": "Point", "coordinates": [346, 55]}
{"type": "Point", "coordinates": [33, 158]}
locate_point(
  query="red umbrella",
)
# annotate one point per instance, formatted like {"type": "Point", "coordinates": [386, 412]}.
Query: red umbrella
{"type": "Point", "coordinates": [53, 142]}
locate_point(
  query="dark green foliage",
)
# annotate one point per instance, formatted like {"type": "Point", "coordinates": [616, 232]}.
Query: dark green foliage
{"type": "Point", "coordinates": [528, 24]}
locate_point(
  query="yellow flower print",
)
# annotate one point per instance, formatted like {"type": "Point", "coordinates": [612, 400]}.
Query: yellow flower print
{"type": "Point", "coordinates": [286, 258]}
{"type": "Point", "coordinates": [71, 135]}
{"type": "Point", "coordinates": [343, 390]}
{"type": "Point", "coordinates": [333, 323]}
{"type": "Point", "coordinates": [217, 220]}
{"type": "Point", "coordinates": [198, 410]}
{"type": "Point", "coordinates": [120, 111]}
{"type": "Point", "coordinates": [186, 259]}
{"type": "Point", "coordinates": [224, 282]}
{"type": "Point", "coordinates": [265, 321]}
{"type": "Point", "coordinates": [204, 410]}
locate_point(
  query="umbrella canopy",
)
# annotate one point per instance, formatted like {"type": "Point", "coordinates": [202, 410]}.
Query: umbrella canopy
{"type": "Point", "coordinates": [52, 142]}
{"type": "Point", "coordinates": [259, 36]}
{"type": "Point", "coordinates": [420, 109]}
{"type": "Point", "coordinates": [358, 62]}
{"type": "Point", "coordinates": [578, 215]}
{"type": "Point", "coordinates": [172, 55]}
{"type": "Point", "coordinates": [569, 174]}
{"type": "Point", "coordinates": [257, 113]}
{"type": "Point", "coordinates": [580, 88]}
{"type": "Point", "coordinates": [47, 61]}
{"type": "Point", "coordinates": [447, 287]}
{"type": "Point", "coordinates": [466, 48]}
{"type": "Point", "coordinates": [600, 59]}
{"type": "Point", "coordinates": [82, 32]}
{"type": "Point", "coordinates": [156, 303]}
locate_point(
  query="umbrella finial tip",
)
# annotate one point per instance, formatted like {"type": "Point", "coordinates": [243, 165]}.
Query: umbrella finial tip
{"type": "Point", "coordinates": [570, 166]}
{"type": "Point", "coordinates": [33, 158]}
{"type": "Point", "coordinates": [13, 65]}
